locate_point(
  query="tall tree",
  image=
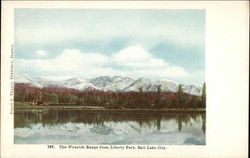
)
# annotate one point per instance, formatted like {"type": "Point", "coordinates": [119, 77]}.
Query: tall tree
{"type": "Point", "coordinates": [203, 95]}
{"type": "Point", "coordinates": [179, 96]}
{"type": "Point", "coordinates": [141, 99]}
{"type": "Point", "coordinates": [180, 89]}
{"type": "Point", "coordinates": [159, 95]}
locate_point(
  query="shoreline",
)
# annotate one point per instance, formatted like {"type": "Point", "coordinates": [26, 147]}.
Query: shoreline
{"type": "Point", "coordinates": [90, 108]}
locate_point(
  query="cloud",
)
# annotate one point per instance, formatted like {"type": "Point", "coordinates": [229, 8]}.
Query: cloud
{"type": "Point", "coordinates": [41, 53]}
{"type": "Point", "coordinates": [144, 27]}
{"type": "Point", "coordinates": [149, 37]}
{"type": "Point", "coordinates": [136, 57]}
{"type": "Point", "coordinates": [70, 61]}
{"type": "Point", "coordinates": [133, 61]}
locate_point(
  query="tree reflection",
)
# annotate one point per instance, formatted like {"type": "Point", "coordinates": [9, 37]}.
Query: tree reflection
{"type": "Point", "coordinates": [150, 119]}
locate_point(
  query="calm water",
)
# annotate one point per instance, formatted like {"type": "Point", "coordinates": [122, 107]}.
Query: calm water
{"type": "Point", "coordinates": [92, 127]}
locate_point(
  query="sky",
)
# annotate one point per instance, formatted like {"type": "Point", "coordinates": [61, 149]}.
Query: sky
{"type": "Point", "coordinates": [59, 44]}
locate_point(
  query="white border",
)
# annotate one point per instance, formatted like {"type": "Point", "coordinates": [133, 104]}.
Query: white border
{"type": "Point", "coordinates": [227, 61]}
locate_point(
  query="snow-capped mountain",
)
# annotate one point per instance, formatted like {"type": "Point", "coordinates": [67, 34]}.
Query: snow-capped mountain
{"type": "Point", "coordinates": [77, 83]}
{"type": "Point", "coordinates": [168, 85]}
{"type": "Point", "coordinates": [143, 83]}
{"type": "Point", "coordinates": [36, 82]}
{"type": "Point", "coordinates": [107, 83]}
{"type": "Point", "coordinates": [118, 83]}
{"type": "Point", "coordinates": [191, 89]}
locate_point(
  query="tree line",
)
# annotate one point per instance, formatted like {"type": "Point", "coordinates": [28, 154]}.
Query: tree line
{"type": "Point", "coordinates": [113, 100]}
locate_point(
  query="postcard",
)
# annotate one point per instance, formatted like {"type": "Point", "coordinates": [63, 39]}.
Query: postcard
{"type": "Point", "coordinates": [108, 79]}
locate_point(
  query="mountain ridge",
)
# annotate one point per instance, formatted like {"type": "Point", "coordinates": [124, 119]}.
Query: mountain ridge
{"type": "Point", "coordinates": [107, 83]}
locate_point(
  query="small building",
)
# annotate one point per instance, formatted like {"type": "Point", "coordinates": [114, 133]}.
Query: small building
{"type": "Point", "coordinates": [38, 102]}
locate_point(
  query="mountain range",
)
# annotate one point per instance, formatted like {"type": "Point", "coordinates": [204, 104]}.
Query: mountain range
{"type": "Point", "coordinates": [106, 83]}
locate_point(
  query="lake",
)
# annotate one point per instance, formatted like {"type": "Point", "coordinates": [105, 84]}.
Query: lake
{"type": "Point", "coordinates": [108, 127]}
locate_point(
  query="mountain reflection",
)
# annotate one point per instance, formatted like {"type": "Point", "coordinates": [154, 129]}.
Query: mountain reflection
{"type": "Point", "coordinates": [150, 119]}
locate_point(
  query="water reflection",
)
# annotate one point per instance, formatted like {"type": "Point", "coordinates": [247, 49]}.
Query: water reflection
{"type": "Point", "coordinates": [107, 124]}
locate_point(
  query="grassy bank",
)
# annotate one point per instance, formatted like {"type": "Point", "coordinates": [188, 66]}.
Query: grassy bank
{"type": "Point", "coordinates": [26, 106]}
